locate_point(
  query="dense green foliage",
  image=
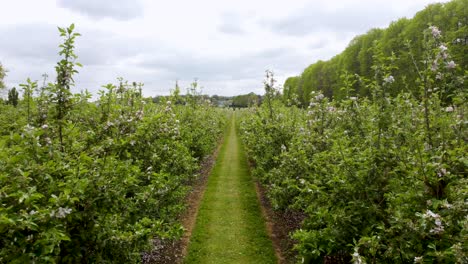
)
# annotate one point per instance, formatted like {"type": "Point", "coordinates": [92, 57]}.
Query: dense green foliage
{"type": "Point", "coordinates": [94, 182]}
{"type": "Point", "coordinates": [2, 76]}
{"type": "Point", "coordinates": [399, 38]}
{"type": "Point", "coordinates": [245, 100]}
{"type": "Point", "coordinates": [370, 146]}
{"type": "Point", "coordinates": [13, 97]}
{"type": "Point", "coordinates": [380, 179]}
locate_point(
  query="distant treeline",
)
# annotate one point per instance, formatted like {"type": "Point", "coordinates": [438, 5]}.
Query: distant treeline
{"type": "Point", "coordinates": [246, 100]}
{"type": "Point", "coordinates": [403, 38]}
{"type": "Point", "coordinates": [238, 101]}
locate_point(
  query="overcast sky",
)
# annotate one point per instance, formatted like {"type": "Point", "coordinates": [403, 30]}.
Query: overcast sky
{"type": "Point", "coordinates": [226, 45]}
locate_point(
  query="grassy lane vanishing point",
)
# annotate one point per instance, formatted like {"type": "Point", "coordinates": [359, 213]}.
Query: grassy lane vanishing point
{"type": "Point", "coordinates": [230, 227]}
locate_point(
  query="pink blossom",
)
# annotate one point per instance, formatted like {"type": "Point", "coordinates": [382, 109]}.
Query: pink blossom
{"type": "Point", "coordinates": [451, 64]}
{"type": "Point", "coordinates": [436, 33]}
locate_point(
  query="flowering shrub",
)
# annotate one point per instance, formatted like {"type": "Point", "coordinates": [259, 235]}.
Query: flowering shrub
{"type": "Point", "coordinates": [94, 182]}
{"type": "Point", "coordinates": [381, 179]}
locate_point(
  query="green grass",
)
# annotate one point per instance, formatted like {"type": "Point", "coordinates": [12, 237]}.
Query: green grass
{"type": "Point", "coordinates": [230, 227]}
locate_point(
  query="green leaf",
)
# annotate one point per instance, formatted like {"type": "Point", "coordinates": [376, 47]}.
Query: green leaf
{"type": "Point", "coordinates": [71, 28]}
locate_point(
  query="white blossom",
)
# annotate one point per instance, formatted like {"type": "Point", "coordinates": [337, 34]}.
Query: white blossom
{"type": "Point", "coordinates": [437, 230]}
{"type": "Point", "coordinates": [357, 258]}
{"type": "Point", "coordinates": [319, 97]}
{"type": "Point", "coordinates": [139, 114]}
{"type": "Point", "coordinates": [108, 124]}
{"type": "Point", "coordinates": [63, 212]}
{"type": "Point", "coordinates": [389, 79]}
{"type": "Point", "coordinates": [431, 214]}
{"type": "Point", "coordinates": [28, 129]}
{"type": "Point", "coordinates": [443, 172]}
{"type": "Point", "coordinates": [283, 147]}
{"type": "Point", "coordinates": [418, 259]}
{"type": "Point", "coordinates": [449, 109]}
{"type": "Point", "coordinates": [447, 205]}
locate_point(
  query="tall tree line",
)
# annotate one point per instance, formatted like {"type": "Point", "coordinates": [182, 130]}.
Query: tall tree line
{"type": "Point", "coordinates": [404, 39]}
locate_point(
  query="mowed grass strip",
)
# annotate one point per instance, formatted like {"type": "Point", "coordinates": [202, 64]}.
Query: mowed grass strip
{"type": "Point", "coordinates": [229, 226]}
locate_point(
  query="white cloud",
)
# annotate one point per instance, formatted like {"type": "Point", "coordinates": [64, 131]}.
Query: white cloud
{"type": "Point", "coordinates": [116, 9]}
{"type": "Point", "coordinates": [226, 44]}
{"type": "Point", "coordinates": [355, 17]}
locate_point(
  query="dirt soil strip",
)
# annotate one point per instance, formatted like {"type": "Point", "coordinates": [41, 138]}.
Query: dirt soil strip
{"type": "Point", "coordinates": [174, 251]}
{"type": "Point", "coordinates": [269, 225]}
{"type": "Point", "coordinates": [279, 226]}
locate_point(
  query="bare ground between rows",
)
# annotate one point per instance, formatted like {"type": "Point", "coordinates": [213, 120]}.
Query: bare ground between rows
{"type": "Point", "coordinates": [279, 226]}
{"type": "Point", "coordinates": [174, 251]}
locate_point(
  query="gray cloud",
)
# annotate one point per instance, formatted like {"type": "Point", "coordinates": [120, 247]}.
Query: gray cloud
{"type": "Point", "coordinates": [96, 47]}
{"type": "Point", "coordinates": [29, 42]}
{"type": "Point", "coordinates": [319, 44]}
{"type": "Point", "coordinates": [231, 29]}
{"type": "Point", "coordinates": [314, 19]}
{"type": "Point", "coordinates": [97, 9]}
{"type": "Point", "coordinates": [180, 65]}
{"type": "Point", "coordinates": [39, 43]}
{"type": "Point", "coordinates": [231, 24]}
{"type": "Point", "coordinates": [31, 50]}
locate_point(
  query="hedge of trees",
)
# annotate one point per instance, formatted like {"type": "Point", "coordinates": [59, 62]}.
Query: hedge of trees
{"type": "Point", "coordinates": [402, 39]}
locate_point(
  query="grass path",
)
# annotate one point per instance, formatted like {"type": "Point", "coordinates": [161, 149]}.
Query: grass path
{"type": "Point", "coordinates": [230, 227]}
